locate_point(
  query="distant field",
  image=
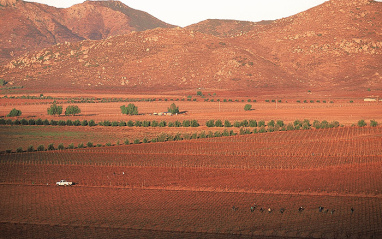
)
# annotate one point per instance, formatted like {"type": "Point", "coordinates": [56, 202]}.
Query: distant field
{"type": "Point", "coordinates": [190, 187]}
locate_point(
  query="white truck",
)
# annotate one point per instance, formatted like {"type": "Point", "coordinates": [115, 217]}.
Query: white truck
{"type": "Point", "coordinates": [64, 183]}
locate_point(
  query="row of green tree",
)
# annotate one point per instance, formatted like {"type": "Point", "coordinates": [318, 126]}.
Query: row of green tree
{"type": "Point", "coordinates": [277, 125]}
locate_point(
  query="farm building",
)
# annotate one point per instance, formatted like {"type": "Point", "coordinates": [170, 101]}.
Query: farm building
{"type": "Point", "coordinates": [372, 99]}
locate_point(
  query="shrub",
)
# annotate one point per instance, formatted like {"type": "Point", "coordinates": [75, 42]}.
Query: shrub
{"type": "Point", "coordinates": [99, 145]}
{"type": "Point", "coordinates": [305, 126]}
{"type": "Point", "coordinates": [262, 129]}
{"type": "Point", "coordinates": [252, 123]}
{"type": "Point", "coordinates": [50, 147]}
{"type": "Point", "coordinates": [16, 122]}
{"type": "Point", "coordinates": [61, 123]}
{"type": "Point", "coordinates": [146, 123]}
{"type": "Point", "coordinates": [137, 141]}
{"type": "Point", "coordinates": [77, 123]}
{"type": "Point", "coordinates": [8, 151]}
{"type": "Point", "coordinates": [92, 123]}
{"type": "Point", "coordinates": [138, 123]}
{"type": "Point", "coordinates": [194, 123]}
{"type": "Point", "coordinates": [81, 145]}
{"type": "Point", "coordinates": [130, 123]}
{"type": "Point", "coordinates": [69, 122]}
{"type": "Point", "coordinates": [186, 123]}
{"type": "Point", "coordinates": [373, 123]}
{"type": "Point", "coordinates": [202, 135]}
{"type": "Point", "coordinates": [218, 123]}
{"type": "Point", "coordinates": [210, 123]}
{"type": "Point", "coordinates": [361, 123]}
{"type": "Point", "coordinates": [40, 147]}
{"type": "Point", "coordinates": [316, 124]}
{"type": "Point", "coordinates": [271, 123]}
{"type": "Point", "coordinates": [71, 146]}
{"type": "Point", "coordinates": [244, 123]}
{"type": "Point", "coordinates": [24, 122]}
{"type": "Point", "coordinates": [72, 110]}
{"type": "Point", "coordinates": [290, 126]}
{"type": "Point", "coordinates": [271, 129]}
{"type": "Point", "coordinates": [9, 122]}
{"type": "Point", "coordinates": [46, 122]}
{"type": "Point", "coordinates": [248, 107]}
{"type": "Point", "coordinates": [60, 147]}
{"type": "Point", "coordinates": [177, 124]}
{"type": "Point", "coordinates": [227, 123]}
{"type": "Point", "coordinates": [261, 123]}
{"type": "Point", "coordinates": [126, 142]}
{"type": "Point", "coordinates": [19, 150]}
{"type": "Point", "coordinates": [90, 145]}
{"type": "Point", "coordinates": [122, 123]}
{"type": "Point", "coordinates": [217, 134]}
{"type": "Point", "coordinates": [53, 122]}
{"type": "Point", "coordinates": [280, 123]}
{"type": "Point", "coordinates": [162, 123]}
{"type": "Point", "coordinates": [14, 112]}
{"type": "Point", "coordinates": [236, 124]}
{"type": "Point", "coordinates": [30, 148]}
{"type": "Point", "coordinates": [154, 123]}
{"type": "Point", "coordinates": [145, 140]}
{"type": "Point", "coordinates": [54, 109]}
{"type": "Point", "coordinates": [171, 124]}
{"type": "Point", "coordinates": [324, 124]}
{"type": "Point", "coordinates": [2, 121]}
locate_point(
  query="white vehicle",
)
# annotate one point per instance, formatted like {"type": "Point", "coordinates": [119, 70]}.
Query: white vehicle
{"type": "Point", "coordinates": [64, 183]}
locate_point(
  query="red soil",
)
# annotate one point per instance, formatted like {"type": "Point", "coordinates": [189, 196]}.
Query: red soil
{"type": "Point", "coordinates": [167, 189]}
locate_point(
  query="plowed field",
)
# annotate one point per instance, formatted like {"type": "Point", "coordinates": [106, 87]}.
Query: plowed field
{"type": "Point", "coordinates": [202, 188]}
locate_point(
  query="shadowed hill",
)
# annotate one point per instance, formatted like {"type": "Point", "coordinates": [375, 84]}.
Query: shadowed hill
{"type": "Point", "coordinates": [28, 26]}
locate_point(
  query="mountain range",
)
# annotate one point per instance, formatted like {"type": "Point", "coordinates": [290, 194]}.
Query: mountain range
{"type": "Point", "coordinates": [105, 45]}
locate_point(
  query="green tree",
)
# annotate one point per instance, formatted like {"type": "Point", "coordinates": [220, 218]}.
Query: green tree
{"type": "Point", "coordinates": [218, 123]}
{"type": "Point", "coordinates": [131, 109]}
{"type": "Point", "coordinates": [72, 110]}
{"type": "Point", "coordinates": [373, 123]}
{"type": "Point", "coordinates": [210, 123]}
{"type": "Point", "coordinates": [54, 109]}
{"type": "Point", "coordinates": [173, 109]}
{"type": "Point", "coordinates": [248, 107]}
{"type": "Point", "coordinates": [361, 123]}
{"type": "Point", "coordinates": [14, 112]}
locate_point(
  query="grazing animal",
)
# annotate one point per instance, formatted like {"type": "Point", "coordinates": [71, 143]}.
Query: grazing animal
{"type": "Point", "coordinates": [352, 210]}
{"type": "Point", "coordinates": [269, 210]}
{"type": "Point", "coordinates": [320, 209]}
{"type": "Point", "coordinates": [332, 211]}
{"type": "Point", "coordinates": [252, 209]}
{"type": "Point", "coordinates": [261, 209]}
{"type": "Point", "coordinates": [282, 210]}
{"type": "Point", "coordinates": [301, 209]}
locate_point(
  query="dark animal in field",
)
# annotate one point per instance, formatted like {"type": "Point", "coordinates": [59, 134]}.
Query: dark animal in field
{"type": "Point", "coordinates": [261, 209]}
{"type": "Point", "coordinates": [320, 209]}
{"type": "Point", "coordinates": [301, 209]}
{"type": "Point", "coordinates": [351, 210]}
{"type": "Point", "coordinates": [252, 209]}
{"type": "Point", "coordinates": [282, 210]}
{"type": "Point", "coordinates": [332, 211]}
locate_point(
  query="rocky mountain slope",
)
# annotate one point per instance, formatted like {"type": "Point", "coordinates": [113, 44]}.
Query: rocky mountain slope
{"type": "Point", "coordinates": [335, 46]}
{"type": "Point", "coordinates": [28, 26]}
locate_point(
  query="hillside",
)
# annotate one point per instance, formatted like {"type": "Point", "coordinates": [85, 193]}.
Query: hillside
{"type": "Point", "coordinates": [225, 28]}
{"type": "Point", "coordinates": [336, 46]}
{"type": "Point", "coordinates": [29, 26]}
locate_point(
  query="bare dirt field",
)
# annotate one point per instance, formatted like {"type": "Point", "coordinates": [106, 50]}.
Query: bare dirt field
{"type": "Point", "coordinates": [201, 188]}
{"type": "Point", "coordinates": [288, 110]}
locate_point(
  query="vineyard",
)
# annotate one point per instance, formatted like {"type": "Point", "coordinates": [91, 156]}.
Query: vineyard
{"type": "Point", "coordinates": [201, 188]}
